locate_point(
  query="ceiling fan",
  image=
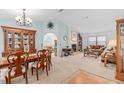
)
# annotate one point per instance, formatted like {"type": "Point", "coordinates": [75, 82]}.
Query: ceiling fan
{"type": "Point", "coordinates": [60, 10]}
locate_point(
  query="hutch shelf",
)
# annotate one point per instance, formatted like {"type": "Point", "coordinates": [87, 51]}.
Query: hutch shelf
{"type": "Point", "coordinates": [17, 39]}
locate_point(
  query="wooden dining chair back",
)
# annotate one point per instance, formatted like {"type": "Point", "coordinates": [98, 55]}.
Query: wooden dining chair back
{"type": "Point", "coordinates": [48, 52]}
{"type": "Point", "coordinates": [48, 55]}
{"type": "Point", "coordinates": [41, 57]}
{"type": "Point", "coordinates": [17, 66]}
{"type": "Point", "coordinates": [41, 64]}
{"type": "Point", "coordinates": [25, 57]}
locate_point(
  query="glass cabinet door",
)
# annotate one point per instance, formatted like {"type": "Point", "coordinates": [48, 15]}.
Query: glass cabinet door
{"type": "Point", "coordinates": [9, 40]}
{"type": "Point", "coordinates": [31, 41]}
{"type": "Point", "coordinates": [122, 45]}
{"type": "Point", "coordinates": [17, 39]}
{"type": "Point", "coordinates": [26, 42]}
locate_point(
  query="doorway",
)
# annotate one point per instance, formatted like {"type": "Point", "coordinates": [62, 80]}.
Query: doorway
{"type": "Point", "coordinates": [50, 41]}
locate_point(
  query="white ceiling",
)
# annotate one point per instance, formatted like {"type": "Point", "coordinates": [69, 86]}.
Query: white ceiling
{"type": "Point", "coordinates": [84, 20]}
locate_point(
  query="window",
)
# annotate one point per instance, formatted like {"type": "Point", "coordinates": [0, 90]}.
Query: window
{"type": "Point", "coordinates": [92, 40]}
{"type": "Point", "coordinates": [97, 40]}
{"type": "Point", "coordinates": [101, 40]}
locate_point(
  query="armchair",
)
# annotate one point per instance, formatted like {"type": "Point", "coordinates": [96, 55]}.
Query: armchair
{"type": "Point", "coordinates": [109, 56]}
{"type": "Point", "coordinates": [89, 51]}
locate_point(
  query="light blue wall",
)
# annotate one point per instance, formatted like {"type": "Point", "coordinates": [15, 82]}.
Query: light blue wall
{"type": "Point", "coordinates": [59, 30]}
{"type": "Point", "coordinates": [63, 31]}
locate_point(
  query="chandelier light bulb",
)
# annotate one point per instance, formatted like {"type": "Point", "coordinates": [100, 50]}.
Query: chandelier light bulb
{"type": "Point", "coordinates": [28, 20]}
{"type": "Point", "coordinates": [18, 18]}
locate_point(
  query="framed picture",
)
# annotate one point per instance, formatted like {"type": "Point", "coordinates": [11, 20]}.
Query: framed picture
{"type": "Point", "coordinates": [74, 36]}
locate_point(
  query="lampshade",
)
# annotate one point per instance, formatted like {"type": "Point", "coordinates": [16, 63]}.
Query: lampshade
{"type": "Point", "coordinates": [112, 43]}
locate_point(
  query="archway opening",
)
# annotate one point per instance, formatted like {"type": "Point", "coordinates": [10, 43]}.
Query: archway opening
{"type": "Point", "coordinates": [50, 41]}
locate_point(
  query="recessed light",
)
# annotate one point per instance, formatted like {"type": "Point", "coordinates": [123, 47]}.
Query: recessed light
{"type": "Point", "coordinates": [86, 17]}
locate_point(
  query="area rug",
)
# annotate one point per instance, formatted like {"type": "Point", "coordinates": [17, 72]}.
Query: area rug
{"type": "Point", "coordinates": [83, 77]}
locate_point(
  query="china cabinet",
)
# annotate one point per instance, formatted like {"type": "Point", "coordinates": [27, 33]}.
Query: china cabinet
{"type": "Point", "coordinates": [17, 39]}
{"type": "Point", "coordinates": [120, 49]}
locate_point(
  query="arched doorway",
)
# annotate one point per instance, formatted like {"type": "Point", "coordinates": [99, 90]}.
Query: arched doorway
{"type": "Point", "coordinates": [50, 41]}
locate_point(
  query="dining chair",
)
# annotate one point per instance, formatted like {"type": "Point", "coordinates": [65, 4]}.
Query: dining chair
{"type": "Point", "coordinates": [48, 55]}
{"type": "Point", "coordinates": [26, 56]}
{"type": "Point", "coordinates": [17, 67]}
{"type": "Point", "coordinates": [47, 52]}
{"type": "Point", "coordinates": [42, 63]}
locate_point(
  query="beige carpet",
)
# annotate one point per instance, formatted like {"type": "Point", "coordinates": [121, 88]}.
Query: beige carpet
{"type": "Point", "coordinates": [64, 67]}
{"type": "Point", "coordinates": [83, 77]}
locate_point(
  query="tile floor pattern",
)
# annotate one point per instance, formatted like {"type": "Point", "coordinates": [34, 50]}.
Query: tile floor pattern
{"type": "Point", "coordinates": [64, 67]}
{"type": "Point", "coordinates": [83, 77]}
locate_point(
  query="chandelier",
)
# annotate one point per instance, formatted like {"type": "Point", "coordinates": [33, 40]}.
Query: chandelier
{"type": "Point", "coordinates": [23, 20]}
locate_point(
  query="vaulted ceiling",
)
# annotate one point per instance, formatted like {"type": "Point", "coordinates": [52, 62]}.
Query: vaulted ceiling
{"type": "Point", "coordinates": [83, 20]}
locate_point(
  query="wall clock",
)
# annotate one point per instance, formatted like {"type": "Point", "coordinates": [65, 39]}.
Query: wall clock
{"type": "Point", "coordinates": [50, 25]}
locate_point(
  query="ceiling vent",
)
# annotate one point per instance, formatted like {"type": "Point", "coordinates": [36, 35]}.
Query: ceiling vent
{"type": "Point", "coordinates": [86, 17]}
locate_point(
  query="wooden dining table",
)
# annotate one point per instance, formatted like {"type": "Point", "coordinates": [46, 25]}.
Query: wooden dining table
{"type": "Point", "coordinates": [4, 63]}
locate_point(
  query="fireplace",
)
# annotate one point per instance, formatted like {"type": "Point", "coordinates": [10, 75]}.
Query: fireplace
{"type": "Point", "coordinates": [74, 47]}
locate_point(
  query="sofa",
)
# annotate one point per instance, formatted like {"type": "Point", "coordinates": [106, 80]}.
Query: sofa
{"type": "Point", "coordinates": [95, 50]}
{"type": "Point", "coordinates": [98, 48]}
{"type": "Point", "coordinates": [111, 55]}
